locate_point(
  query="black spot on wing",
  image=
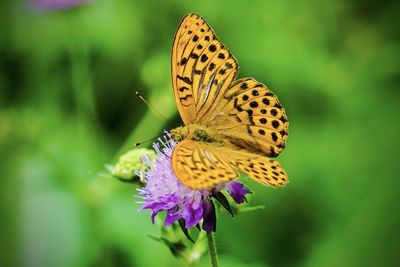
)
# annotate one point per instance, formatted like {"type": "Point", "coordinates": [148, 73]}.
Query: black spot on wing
{"type": "Point", "coordinates": [275, 124]}
{"type": "Point", "coordinates": [182, 89]}
{"type": "Point", "coordinates": [211, 66]}
{"type": "Point", "coordinates": [185, 79]}
{"type": "Point", "coordinates": [253, 104]}
{"type": "Point", "coordinates": [183, 61]}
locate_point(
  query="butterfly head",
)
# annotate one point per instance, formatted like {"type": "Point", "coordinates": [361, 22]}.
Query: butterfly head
{"type": "Point", "coordinates": [179, 133]}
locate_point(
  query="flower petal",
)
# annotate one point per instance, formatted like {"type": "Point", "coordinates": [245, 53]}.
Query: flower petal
{"type": "Point", "coordinates": [209, 218]}
{"type": "Point", "coordinates": [172, 216]}
{"type": "Point", "coordinates": [192, 213]}
{"type": "Point", "coordinates": [237, 191]}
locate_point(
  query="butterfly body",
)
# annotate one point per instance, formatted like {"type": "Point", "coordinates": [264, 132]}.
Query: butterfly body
{"type": "Point", "coordinates": [194, 132]}
{"type": "Point", "coordinates": [229, 126]}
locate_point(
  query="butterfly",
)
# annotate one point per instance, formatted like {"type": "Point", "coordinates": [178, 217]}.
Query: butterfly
{"type": "Point", "coordinates": [230, 126]}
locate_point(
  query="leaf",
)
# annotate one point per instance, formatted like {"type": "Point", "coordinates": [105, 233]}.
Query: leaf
{"type": "Point", "coordinates": [250, 208]}
{"type": "Point", "coordinates": [184, 230]}
{"type": "Point", "coordinates": [134, 180]}
{"type": "Point", "coordinates": [224, 202]}
{"type": "Point", "coordinates": [176, 248]}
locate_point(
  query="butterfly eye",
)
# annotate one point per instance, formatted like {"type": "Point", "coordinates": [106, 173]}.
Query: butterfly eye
{"type": "Point", "coordinates": [177, 137]}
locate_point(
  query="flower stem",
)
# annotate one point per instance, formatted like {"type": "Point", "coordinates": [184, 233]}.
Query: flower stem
{"type": "Point", "coordinates": [212, 249]}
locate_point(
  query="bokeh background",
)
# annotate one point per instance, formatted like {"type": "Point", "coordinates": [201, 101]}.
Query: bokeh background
{"type": "Point", "coordinates": [68, 72]}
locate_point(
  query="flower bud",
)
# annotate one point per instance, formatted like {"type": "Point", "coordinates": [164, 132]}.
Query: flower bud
{"type": "Point", "coordinates": [131, 161]}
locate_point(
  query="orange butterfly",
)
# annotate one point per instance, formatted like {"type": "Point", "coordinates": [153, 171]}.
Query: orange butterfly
{"type": "Point", "coordinates": [230, 126]}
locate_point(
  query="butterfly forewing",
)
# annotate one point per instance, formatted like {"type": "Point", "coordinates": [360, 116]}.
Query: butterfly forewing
{"type": "Point", "coordinates": [202, 69]}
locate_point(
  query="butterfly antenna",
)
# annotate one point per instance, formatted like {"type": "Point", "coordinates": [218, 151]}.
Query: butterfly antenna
{"type": "Point", "coordinates": [144, 142]}
{"type": "Point", "coordinates": [150, 106]}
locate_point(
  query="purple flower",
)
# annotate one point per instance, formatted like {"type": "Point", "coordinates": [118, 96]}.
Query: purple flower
{"type": "Point", "coordinates": [237, 191]}
{"type": "Point", "coordinates": [164, 192]}
{"type": "Point", "coordinates": [56, 4]}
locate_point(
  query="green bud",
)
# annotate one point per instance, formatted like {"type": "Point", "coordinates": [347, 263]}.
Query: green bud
{"type": "Point", "coordinates": [131, 161]}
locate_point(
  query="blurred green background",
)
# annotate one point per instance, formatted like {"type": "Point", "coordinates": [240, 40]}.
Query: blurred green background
{"type": "Point", "coordinates": [67, 108]}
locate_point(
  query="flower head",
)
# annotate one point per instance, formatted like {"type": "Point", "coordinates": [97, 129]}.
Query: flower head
{"type": "Point", "coordinates": [164, 192]}
{"type": "Point", "coordinates": [56, 4]}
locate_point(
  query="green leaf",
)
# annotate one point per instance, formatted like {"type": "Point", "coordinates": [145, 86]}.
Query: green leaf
{"type": "Point", "coordinates": [133, 180]}
{"type": "Point", "coordinates": [184, 230]}
{"type": "Point", "coordinates": [176, 248]}
{"type": "Point", "coordinates": [224, 202]}
{"type": "Point", "coordinates": [250, 208]}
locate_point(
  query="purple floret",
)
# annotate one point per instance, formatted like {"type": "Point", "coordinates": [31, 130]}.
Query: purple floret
{"type": "Point", "coordinates": [56, 4]}
{"type": "Point", "coordinates": [237, 191]}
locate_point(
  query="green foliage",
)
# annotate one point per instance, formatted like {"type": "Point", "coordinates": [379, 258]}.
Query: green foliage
{"type": "Point", "coordinates": [67, 109]}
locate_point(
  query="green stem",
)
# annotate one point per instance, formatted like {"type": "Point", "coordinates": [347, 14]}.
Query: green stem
{"type": "Point", "coordinates": [212, 249]}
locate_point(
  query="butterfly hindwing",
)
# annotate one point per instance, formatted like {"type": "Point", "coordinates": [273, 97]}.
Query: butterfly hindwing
{"type": "Point", "coordinates": [202, 69]}
{"type": "Point", "coordinates": [257, 167]}
{"type": "Point", "coordinates": [261, 169]}
{"type": "Point", "coordinates": [199, 166]}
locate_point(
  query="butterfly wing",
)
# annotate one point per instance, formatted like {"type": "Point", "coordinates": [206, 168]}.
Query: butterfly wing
{"type": "Point", "coordinates": [200, 166]}
{"type": "Point", "coordinates": [203, 166]}
{"type": "Point", "coordinates": [259, 168]}
{"type": "Point", "coordinates": [202, 69]}
{"type": "Point", "coordinates": [250, 117]}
